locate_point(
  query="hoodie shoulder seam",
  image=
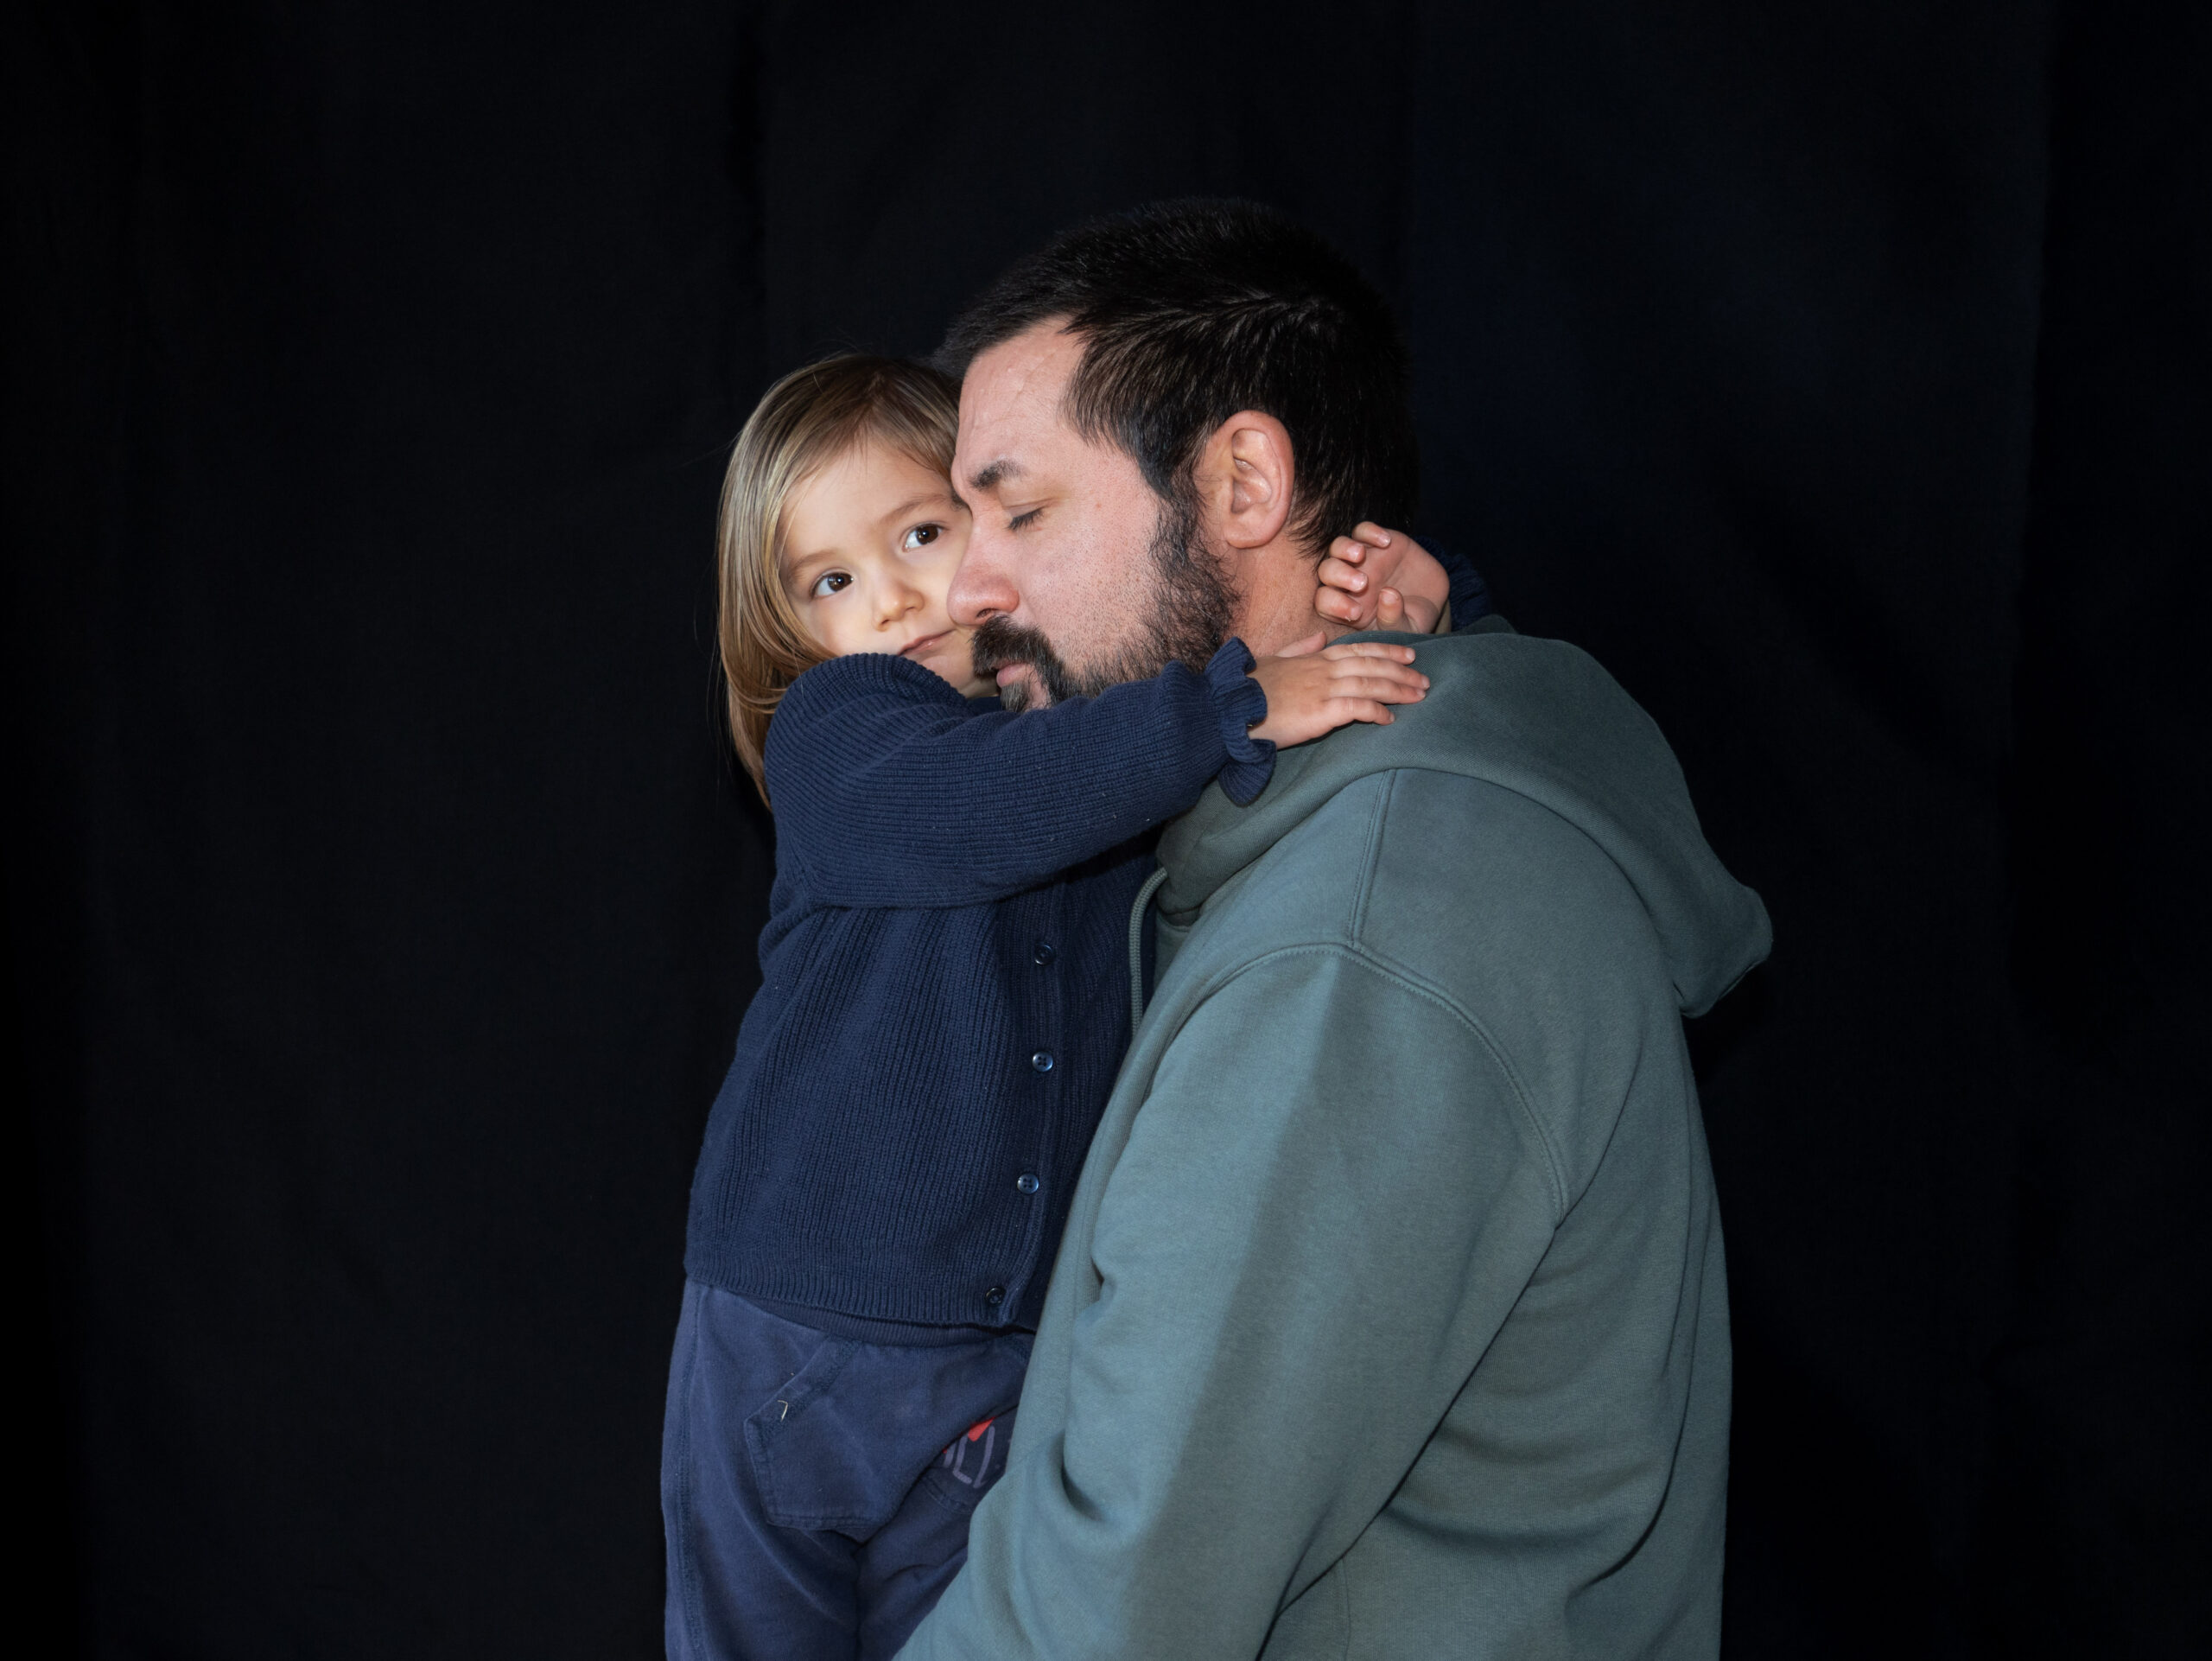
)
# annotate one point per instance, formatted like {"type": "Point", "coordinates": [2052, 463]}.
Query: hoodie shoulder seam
{"type": "Point", "coordinates": [1369, 860]}
{"type": "Point", "coordinates": [1421, 987]}
{"type": "Point", "coordinates": [1370, 853]}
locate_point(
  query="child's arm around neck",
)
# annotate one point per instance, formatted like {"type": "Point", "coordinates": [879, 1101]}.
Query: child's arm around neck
{"type": "Point", "coordinates": [891, 789]}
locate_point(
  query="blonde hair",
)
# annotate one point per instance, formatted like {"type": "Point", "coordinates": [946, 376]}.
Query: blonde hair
{"type": "Point", "coordinates": [803, 423]}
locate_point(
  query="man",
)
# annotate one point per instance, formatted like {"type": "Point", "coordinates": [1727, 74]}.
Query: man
{"type": "Point", "coordinates": [1390, 1317]}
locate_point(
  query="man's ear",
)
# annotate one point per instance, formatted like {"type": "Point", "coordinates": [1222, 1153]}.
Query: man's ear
{"type": "Point", "coordinates": [1244, 476]}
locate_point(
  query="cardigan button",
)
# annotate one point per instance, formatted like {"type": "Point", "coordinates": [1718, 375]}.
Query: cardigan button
{"type": "Point", "coordinates": [1044, 954]}
{"type": "Point", "coordinates": [1042, 1060]}
{"type": "Point", "coordinates": [1026, 1182]}
{"type": "Point", "coordinates": [996, 1296]}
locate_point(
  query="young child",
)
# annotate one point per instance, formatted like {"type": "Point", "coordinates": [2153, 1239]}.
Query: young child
{"type": "Point", "coordinates": [944, 1001]}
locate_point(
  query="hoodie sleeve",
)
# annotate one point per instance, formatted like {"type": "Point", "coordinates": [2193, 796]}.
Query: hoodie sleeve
{"type": "Point", "coordinates": [1325, 1208]}
{"type": "Point", "coordinates": [890, 789]}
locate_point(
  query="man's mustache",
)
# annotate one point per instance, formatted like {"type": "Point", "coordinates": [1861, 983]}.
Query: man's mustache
{"type": "Point", "coordinates": [1001, 643]}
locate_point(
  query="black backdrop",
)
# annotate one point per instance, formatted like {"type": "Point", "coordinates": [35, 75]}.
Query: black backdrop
{"type": "Point", "coordinates": [381, 895]}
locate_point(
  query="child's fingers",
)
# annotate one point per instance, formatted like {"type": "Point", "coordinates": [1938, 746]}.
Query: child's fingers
{"type": "Point", "coordinates": [1390, 608]}
{"type": "Point", "coordinates": [1332, 602]}
{"type": "Point", "coordinates": [1351, 550]}
{"type": "Point", "coordinates": [1344, 651]}
{"type": "Point", "coordinates": [1312, 643]}
{"type": "Point", "coordinates": [1368, 709]}
{"type": "Point", "coordinates": [1336, 573]}
{"type": "Point", "coordinates": [1344, 608]}
{"type": "Point", "coordinates": [1377, 668]}
{"type": "Point", "coordinates": [1366, 672]}
{"type": "Point", "coordinates": [1383, 689]}
{"type": "Point", "coordinates": [1368, 532]}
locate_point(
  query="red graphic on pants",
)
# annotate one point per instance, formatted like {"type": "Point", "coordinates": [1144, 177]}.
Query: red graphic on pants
{"type": "Point", "coordinates": [968, 1462]}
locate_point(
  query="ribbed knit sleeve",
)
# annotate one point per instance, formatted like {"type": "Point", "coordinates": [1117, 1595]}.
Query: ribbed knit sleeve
{"type": "Point", "coordinates": [1240, 705]}
{"type": "Point", "coordinates": [891, 789]}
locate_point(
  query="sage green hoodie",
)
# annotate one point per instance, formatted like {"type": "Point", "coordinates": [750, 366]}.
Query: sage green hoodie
{"type": "Point", "coordinates": [1390, 1319]}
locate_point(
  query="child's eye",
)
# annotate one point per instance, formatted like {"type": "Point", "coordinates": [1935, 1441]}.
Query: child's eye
{"type": "Point", "coordinates": [922, 535]}
{"type": "Point", "coordinates": [831, 583]}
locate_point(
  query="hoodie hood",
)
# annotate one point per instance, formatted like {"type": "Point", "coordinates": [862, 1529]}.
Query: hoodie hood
{"type": "Point", "coordinates": [1536, 717]}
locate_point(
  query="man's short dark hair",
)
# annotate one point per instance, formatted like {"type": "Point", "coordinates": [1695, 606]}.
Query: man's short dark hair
{"type": "Point", "coordinates": [1192, 310]}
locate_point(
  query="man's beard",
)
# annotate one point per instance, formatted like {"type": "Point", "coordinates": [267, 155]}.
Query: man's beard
{"type": "Point", "coordinates": [1192, 606]}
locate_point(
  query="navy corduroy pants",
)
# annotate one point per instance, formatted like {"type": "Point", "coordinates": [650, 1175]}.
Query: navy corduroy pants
{"type": "Point", "coordinates": [816, 1489]}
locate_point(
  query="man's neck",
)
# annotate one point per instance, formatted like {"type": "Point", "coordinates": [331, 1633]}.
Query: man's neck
{"type": "Point", "coordinates": [1274, 608]}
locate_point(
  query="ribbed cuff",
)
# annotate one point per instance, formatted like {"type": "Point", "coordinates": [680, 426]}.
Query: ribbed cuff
{"type": "Point", "coordinates": [1242, 705]}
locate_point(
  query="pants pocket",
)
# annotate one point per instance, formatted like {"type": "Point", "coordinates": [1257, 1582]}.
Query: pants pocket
{"type": "Point", "coordinates": [843, 1443]}
{"type": "Point", "coordinates": [971, 1466]}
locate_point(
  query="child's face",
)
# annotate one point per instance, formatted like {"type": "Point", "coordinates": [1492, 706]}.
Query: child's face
{"type": "Point", "coordinates": [870, 545]}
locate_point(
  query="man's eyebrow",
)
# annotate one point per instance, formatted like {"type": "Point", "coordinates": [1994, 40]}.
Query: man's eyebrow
{"type": "Point", "coordinates": [991, 475]}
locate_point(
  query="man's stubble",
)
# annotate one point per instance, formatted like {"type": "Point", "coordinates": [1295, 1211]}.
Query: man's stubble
{"type": "Point", "coordinates": [1193, 609]}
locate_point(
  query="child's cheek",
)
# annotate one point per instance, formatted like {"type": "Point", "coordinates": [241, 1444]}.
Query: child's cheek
{"type": "Point", "coordinates": [964, 651]}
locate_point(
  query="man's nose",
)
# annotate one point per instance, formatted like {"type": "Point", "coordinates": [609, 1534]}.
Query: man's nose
{"type": "Point", "coordinates": [983, 586]}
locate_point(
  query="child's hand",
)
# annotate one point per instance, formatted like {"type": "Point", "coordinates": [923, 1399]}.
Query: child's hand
{"type": "Point", "coordinates": [1382, 579]}
{"type": "Point", "coordinates": [1310, 692]}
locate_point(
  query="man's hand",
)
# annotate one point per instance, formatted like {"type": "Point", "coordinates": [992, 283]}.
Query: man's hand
{"type": "Point", "coordinates": [1312, 690]}
{"type": "Point", "coordinates": [1382, 579]}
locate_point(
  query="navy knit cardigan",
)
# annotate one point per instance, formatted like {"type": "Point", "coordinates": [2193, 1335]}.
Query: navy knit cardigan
{"type": "Point", "coordinates": [945, 996]}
